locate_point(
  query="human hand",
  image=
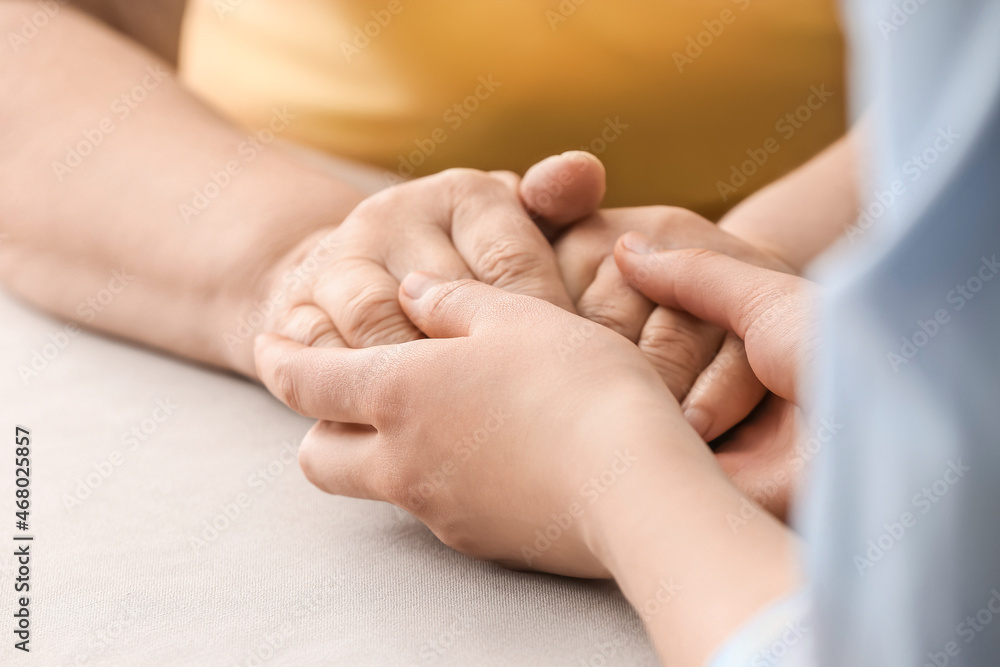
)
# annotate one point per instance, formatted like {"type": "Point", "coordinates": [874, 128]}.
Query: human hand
{"type": "Point", "coordinates": [339, 287]}
{"type": "Point", "coordinates": [512, 420]}
{"type": "Point", "coordinates": [769, 310]}
{"type": "Point", "coordinates": [704, 368]}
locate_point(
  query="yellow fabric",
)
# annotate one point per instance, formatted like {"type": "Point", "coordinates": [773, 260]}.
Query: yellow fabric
{"type": "Point", "coordinates": [681, 90]}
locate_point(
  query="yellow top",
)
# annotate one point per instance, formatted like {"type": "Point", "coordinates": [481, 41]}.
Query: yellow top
{"type": "Point", "coordinates": [679, 98]}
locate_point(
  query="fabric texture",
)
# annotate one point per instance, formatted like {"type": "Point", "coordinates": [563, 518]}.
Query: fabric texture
{"type": "Point", "coordinates": [675, 97]}
{"type": "Point", "coordinates": [173, 526]}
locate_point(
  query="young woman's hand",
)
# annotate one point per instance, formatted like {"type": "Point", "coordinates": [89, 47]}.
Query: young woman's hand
{"type": "Point", "coordinates": [502, 431]}
{"type": "Point", "coordinates": [521, 433]}
{"type": "Point", "coordinates": [771, 312]}
{"type": "Point", "coordinates": [704, 368]}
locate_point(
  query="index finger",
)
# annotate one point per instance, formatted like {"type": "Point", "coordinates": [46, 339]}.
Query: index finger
{"type": "Point", "coordinates": [331, 383]}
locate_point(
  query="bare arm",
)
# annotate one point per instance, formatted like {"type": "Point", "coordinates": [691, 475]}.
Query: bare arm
{"type": "Point", "coordinates": [102, 157]}
{"type": "Point", "coordinates": [798, 216]}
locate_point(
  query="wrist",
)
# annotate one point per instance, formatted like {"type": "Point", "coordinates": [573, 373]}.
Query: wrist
{"type": "Point", "coordinates": [690, 553]}
{"type": "Point", "coordinates": [267, 258]}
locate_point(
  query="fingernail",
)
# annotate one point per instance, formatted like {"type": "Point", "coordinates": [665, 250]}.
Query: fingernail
{"type": "Point", "coordinates": [417, 283]}
{"type": "Point", "coordinates": [638, 243]}
{"type": "Point", "coordinates": [700, 420]}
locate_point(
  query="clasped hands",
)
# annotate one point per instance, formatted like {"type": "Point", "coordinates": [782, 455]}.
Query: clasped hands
{"type": "Point", "coordinates": [466, 369]}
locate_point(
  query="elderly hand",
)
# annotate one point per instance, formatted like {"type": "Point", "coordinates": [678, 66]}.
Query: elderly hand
{"type": "Point", "coordinates": [339, 287]}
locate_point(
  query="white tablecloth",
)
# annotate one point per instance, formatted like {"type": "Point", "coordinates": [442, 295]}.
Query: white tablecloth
{"type": "Point", "coordinates": [196, 540]}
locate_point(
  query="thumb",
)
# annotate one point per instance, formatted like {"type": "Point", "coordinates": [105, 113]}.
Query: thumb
{"type": "Point", "coordinates": [563, 188]}
{"type": "Point", "coordinates": [771, 311]}
{"type": "Point", "coordinates": [450, 308]}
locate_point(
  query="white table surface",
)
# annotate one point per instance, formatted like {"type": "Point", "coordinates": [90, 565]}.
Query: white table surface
{"type": "Point", "coordinates": [296, 578]}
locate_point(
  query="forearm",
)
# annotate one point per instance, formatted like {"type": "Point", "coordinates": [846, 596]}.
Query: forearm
{"type": "Point", "coordinates": [92, 182]}
{"type": "Point", "coordinates": [800, 215]}
{"type": "Point", "coordinates": [692, 555]}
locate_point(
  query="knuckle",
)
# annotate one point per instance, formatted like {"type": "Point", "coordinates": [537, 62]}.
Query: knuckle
{"type": "Point", "coordinates": [372, 316]}
{"type": "Point", "coordinates": [609, 316]}
{"type": "Point", "coordinates": [667, 218]}
{"type": "Point", "coordinates": [375, 205]}
{"type": "Point", "coordinates": [306, 324]}
{"type": "Point", "coordinates": [677, 353]}
{"type": "Point", "coordinates": [508, 260]}
{"type": "Point", "coordinates": [690, 257]}
{"type": "Point", "coordinates": [461, 179]}
{"type": "Point", "coordinates": [455, 534]}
